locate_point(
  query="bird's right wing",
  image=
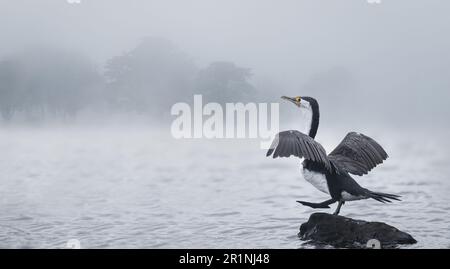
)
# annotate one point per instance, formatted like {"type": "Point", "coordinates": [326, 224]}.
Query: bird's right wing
{"type": "Point", "coordinates": [295, 143]}
{"type": "Point", "coordinates": [357, 154]}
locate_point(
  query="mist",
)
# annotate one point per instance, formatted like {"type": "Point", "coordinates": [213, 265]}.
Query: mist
{"type": "Point", "coordinates": [383, 63]}
{"type": "Point", "coordinates": [87, 87]}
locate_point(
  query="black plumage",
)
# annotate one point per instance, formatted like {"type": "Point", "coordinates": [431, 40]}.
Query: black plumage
{"type": "Point", "coordinates": [357, 154]}
{"type": "Point", "coordinates": [295, 143]}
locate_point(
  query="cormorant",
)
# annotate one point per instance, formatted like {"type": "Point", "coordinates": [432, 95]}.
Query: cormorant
{"type": "Point", "coordinates": [357, 154]}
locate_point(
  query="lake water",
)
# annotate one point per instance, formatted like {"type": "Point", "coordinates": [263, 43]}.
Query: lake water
{"type": "Point", "coordinates": [132, 188]}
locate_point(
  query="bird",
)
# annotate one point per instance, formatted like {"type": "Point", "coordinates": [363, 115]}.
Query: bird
{"type": "Point", "coordinates": [357, 154]}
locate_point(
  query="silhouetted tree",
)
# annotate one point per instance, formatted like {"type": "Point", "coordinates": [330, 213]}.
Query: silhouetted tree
{"type": "Point", "coordinates": [333, 88]}
{"type": "Point", "coordinates": [46, 81]}
{"type": "Point", "coordinates": [331, 83]}
{"type": "Point", "coordinates": [9, 82]}
{"type": "Point", "coordinates": [225, 82]}
{"type": "Point", "coordinates": [150, 78]}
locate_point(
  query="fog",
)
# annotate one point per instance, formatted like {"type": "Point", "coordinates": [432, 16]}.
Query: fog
{"type": "Point", "coordinates": [84, 83]}
{"type": "Point", "coordinates": [386, 64]}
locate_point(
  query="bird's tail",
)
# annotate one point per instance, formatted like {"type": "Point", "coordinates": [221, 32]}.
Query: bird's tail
{"type": "Point", "coordinates": [383, 197]}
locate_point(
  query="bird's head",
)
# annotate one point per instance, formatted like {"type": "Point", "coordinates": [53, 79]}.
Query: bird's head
{"type": "Point", "coordinates": [302, 102]}
{"type": "Point", "coordinates": [310, 110]}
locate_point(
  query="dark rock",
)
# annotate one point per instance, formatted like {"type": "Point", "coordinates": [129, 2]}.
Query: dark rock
{"type": "Point", "coordinates": [341, 232]}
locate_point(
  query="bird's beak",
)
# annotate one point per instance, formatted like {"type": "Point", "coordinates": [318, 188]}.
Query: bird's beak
{"type": "Point", "coordinates": [290, 99]}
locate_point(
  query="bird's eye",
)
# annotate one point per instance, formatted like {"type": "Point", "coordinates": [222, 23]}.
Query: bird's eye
{"type": "Point", "coordinates": [297, 99]}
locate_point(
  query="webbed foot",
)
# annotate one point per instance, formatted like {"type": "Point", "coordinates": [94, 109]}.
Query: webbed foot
{"type": "Point", "coordinates": [324, 204]}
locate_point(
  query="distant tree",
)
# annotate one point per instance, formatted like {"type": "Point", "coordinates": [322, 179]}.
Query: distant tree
{"type": "Point", "coordinates": [225, 82]}
{"type": "Point", "coordinates": [8, 89]}
{"type": "Point", "coordinates": [331, 84]}
{"type": "Point", "coordinates": [46, 81]}
{"type": "Point", "coordinates": [333, 87]}
{"type": "Point", "coordinates": [150, 78]}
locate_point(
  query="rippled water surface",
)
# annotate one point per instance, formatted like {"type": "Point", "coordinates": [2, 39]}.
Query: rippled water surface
{"type": "Point", "coordinates": [135, 189]}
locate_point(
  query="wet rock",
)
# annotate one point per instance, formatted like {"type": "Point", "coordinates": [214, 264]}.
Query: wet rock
{"type": "Point", "coordinates": [324, 229]}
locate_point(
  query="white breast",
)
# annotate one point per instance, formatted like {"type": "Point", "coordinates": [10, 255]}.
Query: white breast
{"type": "Point", "coordinates": [318, 180]}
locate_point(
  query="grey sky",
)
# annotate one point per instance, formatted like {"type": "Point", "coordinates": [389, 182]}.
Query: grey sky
{"type": "Point", "coordinates": [399, 49]}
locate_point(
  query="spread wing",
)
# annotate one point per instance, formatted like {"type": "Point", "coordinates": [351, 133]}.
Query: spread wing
{"type": "Point", "coordinates": [357, 154]}
{"type": "Point", "coordinates": [295, 143]}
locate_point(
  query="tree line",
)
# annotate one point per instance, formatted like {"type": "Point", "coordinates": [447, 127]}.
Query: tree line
{"type": "Point", "coordinates": [148, 79]}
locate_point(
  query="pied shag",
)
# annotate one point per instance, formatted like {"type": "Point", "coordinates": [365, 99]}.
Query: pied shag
{"type": "Point", "coordinates": [357, 154]}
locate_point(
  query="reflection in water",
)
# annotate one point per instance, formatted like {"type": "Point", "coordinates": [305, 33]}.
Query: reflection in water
{"type": "Point", "coordinates": [133, 189]}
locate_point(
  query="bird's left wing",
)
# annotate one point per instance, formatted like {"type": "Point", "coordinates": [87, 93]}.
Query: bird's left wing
{"type": "Point", "coordinates": [357, 154]}
{"type": "Point", "coordinates": [295, 143]}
